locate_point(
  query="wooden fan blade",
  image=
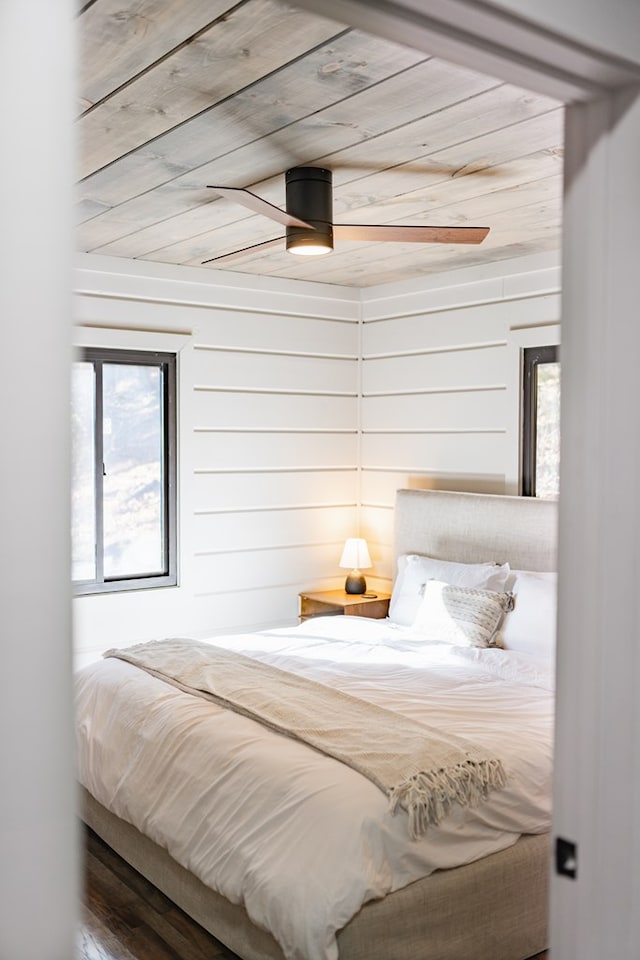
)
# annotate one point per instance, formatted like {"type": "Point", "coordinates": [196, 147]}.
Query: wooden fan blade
{"type": "Point", "coordinates": [404, 234]}
{"type": "Point", "coordinates": [258, 205]}
{"type": "Point", "coordinates": [244, 251]}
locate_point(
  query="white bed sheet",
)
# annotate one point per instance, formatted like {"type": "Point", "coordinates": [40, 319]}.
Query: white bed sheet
{"type": "Point", "coordinates": [300, 839]}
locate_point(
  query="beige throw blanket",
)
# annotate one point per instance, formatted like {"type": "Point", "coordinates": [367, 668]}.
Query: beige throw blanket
{"type": "Point", "coordinates": [421, 769]}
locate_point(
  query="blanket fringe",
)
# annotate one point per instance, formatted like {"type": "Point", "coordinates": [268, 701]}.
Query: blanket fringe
{"type": "Point", "coordinates": [428, 796]}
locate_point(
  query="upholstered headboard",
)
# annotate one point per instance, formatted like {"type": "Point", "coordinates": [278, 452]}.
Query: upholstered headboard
{"type": "Point", "coordinates": [476, 527]}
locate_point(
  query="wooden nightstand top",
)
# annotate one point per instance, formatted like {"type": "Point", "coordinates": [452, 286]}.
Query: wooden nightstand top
{"type": "Point", "coordinates": [326, 603]}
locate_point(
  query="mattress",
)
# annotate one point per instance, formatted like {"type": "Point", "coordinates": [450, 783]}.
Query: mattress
{"type": "Point", "coordinates": [297, 839]}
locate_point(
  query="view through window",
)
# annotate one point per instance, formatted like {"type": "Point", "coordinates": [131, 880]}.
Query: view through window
{"type": "Point", "coordinates": [123, 470]}
{"type": "Point", "coordinates": [541, 423]}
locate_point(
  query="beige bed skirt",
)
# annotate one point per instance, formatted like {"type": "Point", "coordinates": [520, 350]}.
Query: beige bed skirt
{"type": "Point", "coordinates": [493, 909]}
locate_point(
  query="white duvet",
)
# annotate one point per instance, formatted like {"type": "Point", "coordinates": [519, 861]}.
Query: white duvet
{"type": "Point", "coordinates": [300, 839]}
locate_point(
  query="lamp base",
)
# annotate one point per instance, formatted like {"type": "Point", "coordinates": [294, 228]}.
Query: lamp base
{"type": "Point", "coordinates": [355, 583]}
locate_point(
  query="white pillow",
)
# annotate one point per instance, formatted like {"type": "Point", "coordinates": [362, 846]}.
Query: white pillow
{"type": "Point", "coordinates": [530, 627]}
{"type": "Point", "coordinates": [462, 616]}
{"type": "Point", "coordinates": [414, 570]}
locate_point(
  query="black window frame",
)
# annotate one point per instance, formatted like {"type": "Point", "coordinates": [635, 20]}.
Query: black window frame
{"type": "Point", "coordinates": [532, 357]}
{"type": "Point", "coordinates": [167, 362]}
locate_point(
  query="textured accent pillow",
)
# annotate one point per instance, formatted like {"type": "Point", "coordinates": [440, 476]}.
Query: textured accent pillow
{"type": "Point", "coordinates": [531, 626]}
{"type": "Point", "coordinates": [415, 569]}
{"type": "Point", "coordinates": [462, 616]}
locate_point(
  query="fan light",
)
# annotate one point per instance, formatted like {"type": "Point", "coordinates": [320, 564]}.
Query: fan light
{"type": "Point", "coordinates": [314, 247]}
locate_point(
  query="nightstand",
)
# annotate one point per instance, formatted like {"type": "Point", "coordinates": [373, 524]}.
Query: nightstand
{"type": "Point", "coordinates": [329, 603]}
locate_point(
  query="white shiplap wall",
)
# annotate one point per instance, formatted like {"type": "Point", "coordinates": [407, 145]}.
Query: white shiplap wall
{"type": "Point", "coordinates": [302, 408]}
{"type": "Point", "coordinates": [441, 383]}
{"type": "Point", "coordinates": [268, 441]}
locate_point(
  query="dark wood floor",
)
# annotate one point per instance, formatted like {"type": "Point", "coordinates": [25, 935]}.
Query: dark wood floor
{"type": "Point", "coordinates": [124, 917]}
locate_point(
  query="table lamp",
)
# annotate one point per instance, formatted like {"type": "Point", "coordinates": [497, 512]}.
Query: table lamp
{"type": "Point", "coordinates": [355, 557]}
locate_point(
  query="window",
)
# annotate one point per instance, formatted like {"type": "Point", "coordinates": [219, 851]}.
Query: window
{"type": "Point", "coordinates": [541, 422]}
{"type": "Point", "coordinates": [123, 492]}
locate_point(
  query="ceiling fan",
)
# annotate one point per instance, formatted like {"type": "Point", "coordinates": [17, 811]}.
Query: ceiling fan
{"type": "Point", "coordinates": [308, 218]}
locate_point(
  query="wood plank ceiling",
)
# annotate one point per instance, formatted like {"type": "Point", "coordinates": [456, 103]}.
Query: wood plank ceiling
{"type": "Point", "coordinates": [178, 94]}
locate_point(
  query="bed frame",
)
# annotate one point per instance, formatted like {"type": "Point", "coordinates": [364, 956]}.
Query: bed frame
{"type": "Point", "coordinates": [492, 909]}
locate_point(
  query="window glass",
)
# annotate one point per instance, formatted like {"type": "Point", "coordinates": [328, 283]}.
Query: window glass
{"type": "Point", "coordinates": [547, 465]}
{"type": "Point", "coordinates": [124, 470]}
{"type": "Point", "coordinates": [133, 458]}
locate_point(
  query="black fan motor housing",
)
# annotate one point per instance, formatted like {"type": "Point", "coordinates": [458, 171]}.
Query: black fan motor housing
{"type": "Point", "coordinates": [309, 196]}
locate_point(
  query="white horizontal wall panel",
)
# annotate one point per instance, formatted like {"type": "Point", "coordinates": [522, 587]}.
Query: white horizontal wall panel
{"type": "Point", "coordinates": [435, 452]}
{"type": "Point", "coordinates": [377, 526]}
{"type": "Point", "coordinates": [234, 329]}
{"type": "Point", "coordinates": [251, 570]}
{"type": "Point", "coordinates": [273, 451]}
{"type": "Point", "coordinates": [529, 283]}
{"type": "Point", "coordinates": [223, 327]}
{"type": "Point", "coordinates": [233, 370]}
{"type": "Point", "coordinates": [242, 411]}
{"type": "Point", "coordinates": [540, 310]}
{"type": "Point", "coordinates": [379, 486]}
{"type": "Point", "coordinates": [246, 611]}
{"type": "Point", "coordinates": [435, 371]}
{"type": "Point", "coordinates": [532, 274]}
{"type": "Point", "coordinates": [224, 532]}
{"type": "Point", "coordinates": [405, 299]}
{"type": "Point", "coordinates": [260, 609]}
{"type": "Point", "coordinates": [458, 327]}
{"type": "Point", "coordinates": [461, 410]}
{"type": "Point", "coordinates": [216, 492]}
{"type": "Point", "coordinates": [178, 286]}
{"type": "Point", "coordinates": [138, 314]}
{"type": "Point", "coordinates": [120, 619]}
{"type": "Point", "coordinates": [440, 330]}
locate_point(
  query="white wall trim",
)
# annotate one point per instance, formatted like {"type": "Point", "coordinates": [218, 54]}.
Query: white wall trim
{"type": "Point", "coordinates": [122, 338]}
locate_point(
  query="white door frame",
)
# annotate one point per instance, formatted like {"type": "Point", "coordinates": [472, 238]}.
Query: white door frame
{"type": "Point", "coordinates": [597, 761]}
{"type": "Point", "coordinates": [39, 862]}
{"type": "Point", "coordinates": [598, 771]}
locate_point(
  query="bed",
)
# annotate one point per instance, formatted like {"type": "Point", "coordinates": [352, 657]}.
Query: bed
{"type": "Point", "coordinates": [473, 885]}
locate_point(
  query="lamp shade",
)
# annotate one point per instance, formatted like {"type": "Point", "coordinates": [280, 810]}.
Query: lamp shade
{"type": "Point", "coordinates": [355, 555]}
